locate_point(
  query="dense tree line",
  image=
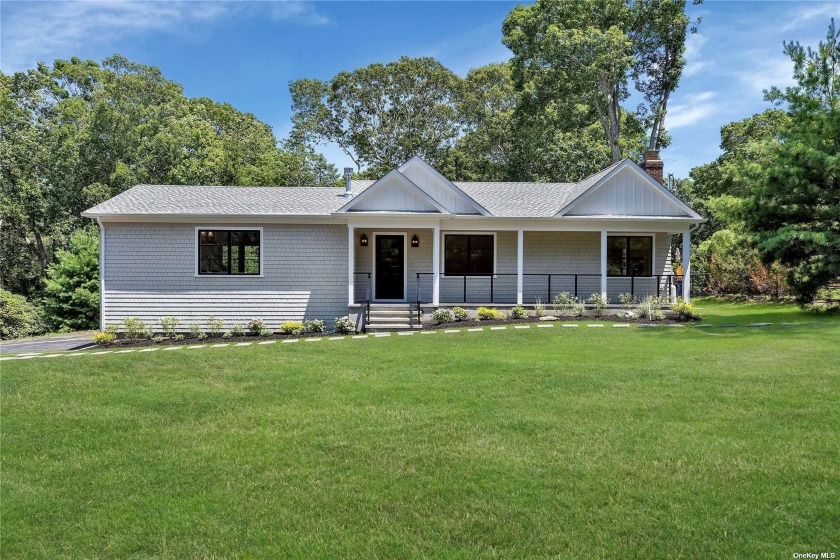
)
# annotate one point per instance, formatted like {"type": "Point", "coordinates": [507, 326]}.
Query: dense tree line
{"type": "Point", "coordinates": [773, 196]}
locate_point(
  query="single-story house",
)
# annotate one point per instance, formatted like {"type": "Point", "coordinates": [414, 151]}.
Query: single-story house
{"type": "Point", "coordinates": [385, 250]}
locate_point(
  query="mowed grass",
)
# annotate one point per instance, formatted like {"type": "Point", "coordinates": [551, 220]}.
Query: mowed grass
{"type": "Point", "coordinates": [561, 443]}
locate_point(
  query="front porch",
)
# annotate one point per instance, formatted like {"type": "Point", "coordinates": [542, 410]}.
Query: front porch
{"type": "Point", "coordinates": [523, 267]}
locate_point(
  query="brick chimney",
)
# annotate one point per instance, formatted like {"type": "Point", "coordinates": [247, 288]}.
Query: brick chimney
{"type": "Point", "coordinates": [653, 166]}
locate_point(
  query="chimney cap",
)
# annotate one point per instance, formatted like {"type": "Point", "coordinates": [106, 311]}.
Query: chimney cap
{"type": "Point", "coordinates": [651, 155]}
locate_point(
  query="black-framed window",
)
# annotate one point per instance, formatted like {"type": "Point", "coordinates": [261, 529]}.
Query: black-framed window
{"type": "Point", "coordinates": [629, 255]}
{"type": "Point", "coordinates": [468, 254]}
{"type": "Point", "coordinates": [228, 251]}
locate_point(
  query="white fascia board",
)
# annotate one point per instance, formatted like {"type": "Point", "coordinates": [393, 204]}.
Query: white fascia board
{"type": "Point", "coordinates": [458, 192]}
{"type": "Point", "coordinates": [405, 181]}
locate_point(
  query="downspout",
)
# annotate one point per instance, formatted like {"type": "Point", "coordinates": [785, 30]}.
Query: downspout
{"type": "Point", "coordinates": [101, 273]}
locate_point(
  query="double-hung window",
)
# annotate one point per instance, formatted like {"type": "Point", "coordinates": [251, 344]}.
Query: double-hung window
{"type": "Point", "coordinates": [629, 255]}
{"type": "Point", "coordinates": [468, 254]}
{"type": "Point", "coordinates": [229, 252]}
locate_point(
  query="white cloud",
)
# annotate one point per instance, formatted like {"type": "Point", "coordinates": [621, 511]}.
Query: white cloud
{"type": "Point", "coordinates": [693, 108]}
{"type": "Point", "coordinates": [42, 31]}
{"type": "Point", "coordinates": [693, 61]}
{"type": "Point", "coordinates": [767, 71]}
{"type": "Point", "coordinates": [802, 16]}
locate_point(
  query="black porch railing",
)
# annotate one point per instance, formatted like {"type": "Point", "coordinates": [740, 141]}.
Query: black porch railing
{"type": "Point", "coordinates": [368, 293]}
{"type": "Point", "coordinates": [502, 287]}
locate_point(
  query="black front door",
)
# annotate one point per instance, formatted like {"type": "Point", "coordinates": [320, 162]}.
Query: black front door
{"type": "Point", "coordinates": [390, 267]}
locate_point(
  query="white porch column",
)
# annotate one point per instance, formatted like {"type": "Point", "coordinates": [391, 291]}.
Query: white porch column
{"type": "Point", "coordinates": [351, 262]}
{"type": "Point", "coordinates": [436, 266]}
{"type": "Point", "coordinates": [520, 254]}
{"type": "Point", "coordinates": [686, 260]}
{"type": "Point", "coordinates": [604, 263]}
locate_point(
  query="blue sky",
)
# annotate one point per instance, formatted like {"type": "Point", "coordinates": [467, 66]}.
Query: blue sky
{"type": "Point", "coordinates": [245, 53]}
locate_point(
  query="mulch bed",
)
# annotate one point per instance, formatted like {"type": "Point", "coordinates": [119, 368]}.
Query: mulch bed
{"type": "Point", "coordinates": [604, 318]}
{"type": "Point", "coordinates": [126, 343]}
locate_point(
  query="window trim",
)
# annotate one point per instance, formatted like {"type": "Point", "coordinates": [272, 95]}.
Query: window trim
{"type": "Point", "coordinates": [443, 235]}
{"type": "Point", "coordinates": [197, 252]}
{"type": "Point", "coordinates": [652, 253]}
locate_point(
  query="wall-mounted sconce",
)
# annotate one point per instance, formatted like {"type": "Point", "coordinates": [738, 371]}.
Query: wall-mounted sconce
{"type": "Point", "coordinates": [414, 241]}
{"type": "Point", "coordinates": [363, 241]}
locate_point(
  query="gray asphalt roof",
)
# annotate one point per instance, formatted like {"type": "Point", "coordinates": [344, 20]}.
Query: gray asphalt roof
{"type": "Point", "coordinates": [501, 199]}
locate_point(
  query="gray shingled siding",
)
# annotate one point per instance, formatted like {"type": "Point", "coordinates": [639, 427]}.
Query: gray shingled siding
{"type": "Point", "coordinates": [150, 273]}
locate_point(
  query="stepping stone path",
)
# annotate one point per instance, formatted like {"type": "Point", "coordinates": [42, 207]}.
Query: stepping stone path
{"type": "Point", "coordinates": [545, 326]}
{"type": "Point", "coordinates": [267, 342]}
{"type": "Point", "coordinates": [220, 345]}
{"type": "Point", "coordinates": [728, 325]}
{"type": "Point", "coordinates": [595, 326]}
{"type": "Point", "coordinates": [675, 326]}
{"type": "Point", "coordinates": [336, 338]}
{"type": "Point", "coordinates": [759, 324]}
{"type": "Point", "coordinates": [237, 344]}
{"type": "Point", "coordinates": [647, 326]}
{"type": "Point", "coordinates": [702, 326]}
{"type": "Point", "coordinates": [428, 332]}
{"type": "Point", "coordinates": [498, 328]}
{"type": "Point", "coordinates": [522, 327]}
{"type": "Point", "coordinates": [361, 336]}
{"type": "Point", "coordinates": [148, 350]}
{"type": "Point", "coordinates": [474, 330]}
{"type": "Point", "coordinates": [621, 326]}
{"type": "Point", "coordinates": [290, 340]}
{"type": "Point", "coordinates": [451, 331]}
{"type": "Point", "coordinates": [571, 326]}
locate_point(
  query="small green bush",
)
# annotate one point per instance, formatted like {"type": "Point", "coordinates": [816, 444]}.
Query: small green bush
{"type": "Point", "coordinates": [539, 308]}
{"type": "Point", "coordinates": [517, 312]}
{"type": "Point", "coordinates": [202, 336]}
{"type": "Point", "coordinates": [314, 326]}
{"type": "Point", "coordinates": [658, 315]}
{"type": "Point", "coordinates": [179, 337]}
{"type": "Point", "coordinates": [460, 313]}
{"type": "Point", "coordinates": [134, 328]}
{"type": "Point", "coordinates": [160, 338]}
{"type": "Point", "coordinates": [628, 301]}
{"type": "Point", "coordinates": [19, 317]}
{"type": "Point", "coordinates": [228, 334]}
{"type": "Point", "coordinates": [255, 326]}
{"type": "Point", "coordinates": [236, 330]}
{"type": "Point", "coordinates": [112, 329]}
{"type": "Point", "coordinates": [488, 314]}
{"type": "Point", "coordinates": [265, 332]}
{"type": "Point", "coordinates": [343, 325]}
{"type": "Point", "coordinates": [598, 303]}
{"type": "Point", "coordinates": [168, 324]}
{"type": "Point", "coordinates": [291, 327]}
{"type": "Point", "coordinates": [563, 303]}
{"type": "Point", "coordinates": [195, 330]}
{"type": "Point", "coordinates": [104, 338]}
{"type": "Point", "coordinates": [578, 309]}
{"type": "Point", "coordinates": [442, 316]}
{"type": "Point", "coordinates": [214, 325]}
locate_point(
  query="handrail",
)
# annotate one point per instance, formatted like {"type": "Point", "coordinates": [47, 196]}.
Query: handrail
{"type": "Point", "coordinates": [668, 279]}
{"type": "Point", "coordinates": [366, 323]}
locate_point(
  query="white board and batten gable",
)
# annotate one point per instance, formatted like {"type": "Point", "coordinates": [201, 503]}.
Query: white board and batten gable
{"type": "Point", "coordinates": [414, 187]}
{"type": "Point", "coordinates": [628, 191]}
{"type": "Point", "coordinates": [394, 193]}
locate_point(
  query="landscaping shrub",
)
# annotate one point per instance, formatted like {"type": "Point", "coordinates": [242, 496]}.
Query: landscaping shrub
{"type": "Point", "coordinates": [628, 301]}
{"type": "Point", "coordinates": [460, 313]}
{"type": "Point", "coordinates": [168, 324]}
{"type": "Point", "coordinates": [202, 336]}
{"type": "Point", "coordinates": [343, 325]}
{"type": "Point", "coordinates": [179, 337]}
{"type": "Point", "coordinates": [684, 311]}
{"type": "Point", "coordinates": [265, 332]}
{"type": "Point", "coordinates": [489, 313]}
{"type": "Point", "coordinates": [19, 317]}
{"type": "Point", "coordinates": [563, 303]}
{"type": "Point", "coordinates": [598, 303]}
{"type": "Point", "coordinates": [195, 330]}
{"type": "Point", "coordinates": [291, 327]}
{"type": "Point", "coordinates": [539, 308]}
{"type": "Point", "coordinates": [578, 309]}
{"type": "Point", "coordinates": [104, 338]}
{"type": "Point", "coordinates": [442, 316]}
{"type": "Point", "coordinates": [314, 326]}
{"type": "Point", "coordinates": [215, 325]}
{"type": "Point", "coordinates": [517, 312]}
{"type": "Point", "coordinates": [71, 297]}
{"type": "Point", "coordinates": [228, 334]}
{"type": "Point", "coordinates": [658, 315]}
{"type": "Point", "coordinates": [256, 326]}
{"type": "Point", "coordinates": [134, 328]}
{"type": "Point", "coordinates": [236, 330]}
{"type": "Point", "coordinates": [159, 338]}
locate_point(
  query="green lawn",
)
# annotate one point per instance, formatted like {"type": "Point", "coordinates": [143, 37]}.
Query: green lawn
{"type": "Point", "coordinates": [570, 443]}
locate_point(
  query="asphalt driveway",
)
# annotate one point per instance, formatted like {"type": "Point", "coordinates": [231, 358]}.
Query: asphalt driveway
{"type": "Point", "coordinates": [53, 343]}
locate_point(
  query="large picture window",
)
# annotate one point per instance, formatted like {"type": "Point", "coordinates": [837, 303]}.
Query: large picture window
{"type": "Point", "coordinates": [233, 252]}
{"type": "Point", "coordinates": [629, 255]}
{"type": "Point", "coordinates": [468, 254]}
